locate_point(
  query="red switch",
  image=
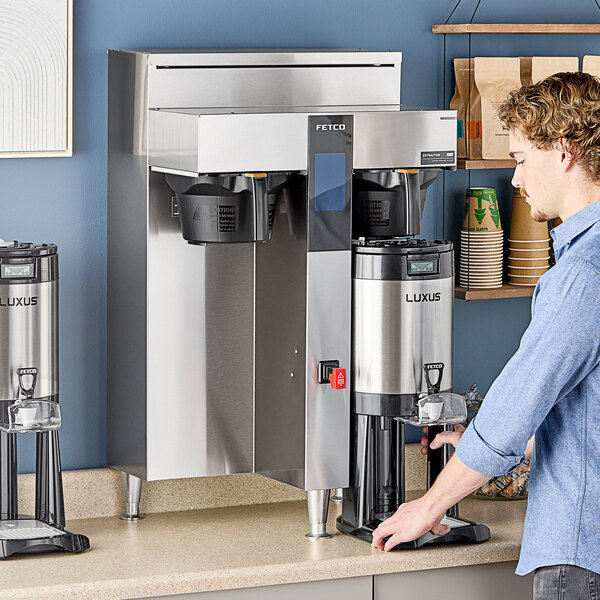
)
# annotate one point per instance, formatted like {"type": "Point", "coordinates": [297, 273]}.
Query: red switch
{"type": "Point", "coordinates": [337, 379]}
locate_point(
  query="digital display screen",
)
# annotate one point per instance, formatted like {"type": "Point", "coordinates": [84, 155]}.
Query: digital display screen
{"type": "Point", "coordinates": [422, 267]}
{"type": "Point", "coordinates": [25, 271]}
{"type": "Point", "coordinates": [330, 181]}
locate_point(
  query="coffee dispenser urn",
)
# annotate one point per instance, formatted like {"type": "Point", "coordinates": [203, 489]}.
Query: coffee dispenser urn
{"type": "Point", "coordinates": [29, 399]}
{"type": "Point", "coordinates": [403, 293]}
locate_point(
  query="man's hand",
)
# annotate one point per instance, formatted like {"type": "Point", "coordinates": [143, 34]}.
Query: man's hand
{"type": "Point", "coordinates": [445, 437]}
{"type": "Point", "coordinates": [410, 521]}
{"type": "Point", "coordinates": [415, 518]}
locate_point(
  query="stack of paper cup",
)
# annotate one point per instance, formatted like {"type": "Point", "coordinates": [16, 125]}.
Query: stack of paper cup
{"type": "Point", "coordinates": [529, 245]}
{"type": "Point", "coordinates": [481, 241]}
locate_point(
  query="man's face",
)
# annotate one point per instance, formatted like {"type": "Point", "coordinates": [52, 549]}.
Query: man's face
{"type": "Point", "coordinates": [535, 174]}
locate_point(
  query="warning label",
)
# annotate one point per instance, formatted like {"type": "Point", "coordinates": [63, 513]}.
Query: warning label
{"type": "Point", "coordinates": [227, 219]}
{"type": "Point", "coordinates": [222, 218]}
{"type": "Point", "coordinates": [377, 212]}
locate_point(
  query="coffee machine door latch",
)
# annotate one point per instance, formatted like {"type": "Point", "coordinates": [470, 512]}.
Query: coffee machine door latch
{"type": "Point", "coordinates": [330, 372]}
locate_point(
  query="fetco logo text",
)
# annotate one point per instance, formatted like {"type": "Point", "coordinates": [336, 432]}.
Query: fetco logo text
{"type": "Point", "coordinates": [330, 127]}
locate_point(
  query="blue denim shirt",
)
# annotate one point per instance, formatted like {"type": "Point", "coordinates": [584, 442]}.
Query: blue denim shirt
{"type": "Point", "coordinates": [551, 388]}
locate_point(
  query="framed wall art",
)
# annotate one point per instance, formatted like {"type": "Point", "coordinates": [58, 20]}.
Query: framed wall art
{"type": "Point", "coordinates": [36, 78]}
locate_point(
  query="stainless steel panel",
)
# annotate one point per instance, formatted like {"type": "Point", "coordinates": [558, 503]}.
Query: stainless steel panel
{"type": "Point", "coordinates": [228, 143]}
{"type": "Point", "coordinates": [247, 141]}
{"type": "Point", "coordinates": [273, 78]}
{"type": "Point", "coordinates": [396, 140]}
{"type": "Point", "coordinates": [29, 338]}
{"type": "Point", "coordinates": [174, 140]}
{"type": "Point", "coordinates": [159, 424]}
{"type": "Point", "coordinates": [302, 317]}
{"type": "Point", "coordinates": [252, 57]}
{"type": "Point", "coordinates": [200, 344]}
{"type": "Point", "coordinates": [275, 110]}
{"type": "Point", "coordinates": [280, 354]}
{"type": "Point", "coordinates": [394, 338]}
{"type": "Point", "coordinates": [127, 263]}
{"type": "Point", "coordinates": [328, 337]}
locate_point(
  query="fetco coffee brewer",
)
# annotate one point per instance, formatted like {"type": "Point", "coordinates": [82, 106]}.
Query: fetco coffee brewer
{"type": "Point", "coordinates": [29, 398]}
{"type": "Point", "coordinates": [232, 353]}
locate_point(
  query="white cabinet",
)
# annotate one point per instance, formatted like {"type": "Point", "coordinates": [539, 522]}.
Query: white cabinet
{"type": "Point", "coordinates": [355, 588]}
{"type": "Point", "coordinates": [494, 581]}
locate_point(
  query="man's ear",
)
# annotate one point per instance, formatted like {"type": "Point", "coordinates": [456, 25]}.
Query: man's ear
{"type": "Point", "coordinates": [568, 150]}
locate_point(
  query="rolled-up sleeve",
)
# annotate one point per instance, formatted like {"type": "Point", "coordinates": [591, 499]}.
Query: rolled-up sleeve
{"type": "Point", "coordinates": [558, 349]}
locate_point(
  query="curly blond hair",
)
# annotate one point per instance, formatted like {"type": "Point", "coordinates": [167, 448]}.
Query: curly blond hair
{"type": "Point", "coordinates": [564, 105]}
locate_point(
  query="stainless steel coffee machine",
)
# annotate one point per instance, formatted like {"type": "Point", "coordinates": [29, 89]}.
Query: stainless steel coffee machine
{"type": "Point", "coordinates": [232, 353]}
{"type": "Point", "coordinates": [29, 398]}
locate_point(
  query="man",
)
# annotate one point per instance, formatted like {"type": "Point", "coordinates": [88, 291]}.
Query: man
{"type": "Point", "coordinates": [551, 386]}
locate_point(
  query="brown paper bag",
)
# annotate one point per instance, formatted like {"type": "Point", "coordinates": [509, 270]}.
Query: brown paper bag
{"type": "Point", "coordinates": [457, 104]}
{"type": "Point", "coordinates": [465, 82]}
{"type": "Point", "coordinates": [495, 77]}
{"type": "Point", "coordinates": [544, 66]}
{"type": "Point", "coordinates": [591, 65]}
{"type": "Point", "coordinates": [525, 64]}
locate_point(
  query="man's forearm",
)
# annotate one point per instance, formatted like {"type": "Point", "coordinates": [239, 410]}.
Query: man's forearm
{"type": "Point", "coordinates": [456, 481]}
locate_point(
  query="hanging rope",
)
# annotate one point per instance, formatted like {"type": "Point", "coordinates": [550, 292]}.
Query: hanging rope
{"type": "Point", "coordinates": [475, 11]}
{"type": "Point", "coordinates": [450, 15]}
{"type": "Point", "coordinates": [596, 2]}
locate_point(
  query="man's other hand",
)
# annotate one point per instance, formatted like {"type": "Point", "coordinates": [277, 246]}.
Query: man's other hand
{"type": "Point", "coordinates": [446, 437]}
{"type": "Point", "coordinates": [410, 521]}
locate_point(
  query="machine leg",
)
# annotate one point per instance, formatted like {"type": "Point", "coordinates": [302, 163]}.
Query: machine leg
{"type": "Point", "coordinates": [132, 492]}
{"type": "Point", "coordinates": [337, 495]}
{"type": "Point", "coordinates": [318, 507]}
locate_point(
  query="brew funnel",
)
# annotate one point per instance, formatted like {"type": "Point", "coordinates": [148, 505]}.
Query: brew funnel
{"type": "Point", "coordinates": [389, 203]}
{"type": "Point", "coordinates": [226, 208]}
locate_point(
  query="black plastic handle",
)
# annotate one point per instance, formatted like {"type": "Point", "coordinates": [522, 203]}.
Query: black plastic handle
{"type": "Point", "coordinates": [433, 387]}
{"type": "Point", "coordinates": [33, 372]}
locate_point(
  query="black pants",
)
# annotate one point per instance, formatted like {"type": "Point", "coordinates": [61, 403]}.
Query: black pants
{"type": "Point", "coordinates": [566, 582]}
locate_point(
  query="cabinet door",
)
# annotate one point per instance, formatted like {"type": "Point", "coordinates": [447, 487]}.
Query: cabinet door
{"type": "Point", "coordinates": [495, 581]}
{"type": "Point", "coordinates": [355, 588]}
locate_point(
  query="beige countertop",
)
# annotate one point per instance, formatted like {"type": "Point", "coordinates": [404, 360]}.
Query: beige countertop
{"type": "Point", "coordinates": [234, 547]}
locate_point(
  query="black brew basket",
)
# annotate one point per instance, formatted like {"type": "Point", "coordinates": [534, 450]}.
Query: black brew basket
{"type": "Point", "coordinates": [224, 208]}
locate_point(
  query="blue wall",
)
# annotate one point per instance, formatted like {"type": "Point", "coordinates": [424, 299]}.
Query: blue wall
{"type": "Point", "coordinates": [63, 200]}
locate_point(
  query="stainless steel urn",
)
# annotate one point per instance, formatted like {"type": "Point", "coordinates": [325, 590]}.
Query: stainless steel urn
{"type": "Point", "coordinates": [28, 320]}
{"type": "Point", "coordinates": [29, 399]}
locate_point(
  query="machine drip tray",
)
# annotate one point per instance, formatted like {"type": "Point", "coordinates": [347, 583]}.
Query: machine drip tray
{"type": "Point", "coordinates": [26, 529]}
{"type": "Point", "coordinates": [29, 535]}
{"type": "Point", "coordinates": [462, 531]}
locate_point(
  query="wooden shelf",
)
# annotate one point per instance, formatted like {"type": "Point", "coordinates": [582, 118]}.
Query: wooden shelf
{"type": "Point", "coordinates": [517, 28]}
{"type": "Point", "coordinates": [506, 291]}
{"type": "Point", "coordinates": [464, 163]}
